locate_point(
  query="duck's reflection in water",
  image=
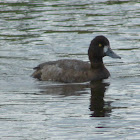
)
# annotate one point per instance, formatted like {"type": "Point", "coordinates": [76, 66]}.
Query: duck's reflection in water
{"type": "Point", "coordinates": [98, 106]}
{"type": "Point", "coordinates": [69, 89]}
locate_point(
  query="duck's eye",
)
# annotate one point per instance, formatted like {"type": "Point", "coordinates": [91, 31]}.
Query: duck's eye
{"type": "Point", "coordinates": [100, 45]}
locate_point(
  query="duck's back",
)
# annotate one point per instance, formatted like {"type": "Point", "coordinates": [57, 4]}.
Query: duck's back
{"type": "Point", "coordinates": [63, 70]}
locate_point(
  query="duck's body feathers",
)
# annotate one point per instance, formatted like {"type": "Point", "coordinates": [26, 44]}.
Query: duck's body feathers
{"type": "Point", "coordinates": [69, 71]}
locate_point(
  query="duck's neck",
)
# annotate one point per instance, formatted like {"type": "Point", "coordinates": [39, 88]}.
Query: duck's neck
{"type": "Point", "coordinates": [97, 63]}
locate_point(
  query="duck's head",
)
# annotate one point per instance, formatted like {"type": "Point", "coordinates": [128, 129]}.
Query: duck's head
{"type": "Point", "coordinates": [100, 47]}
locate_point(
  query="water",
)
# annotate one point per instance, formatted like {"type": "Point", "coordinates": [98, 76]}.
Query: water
{"type": "Point", "coordinates": [32, 32]}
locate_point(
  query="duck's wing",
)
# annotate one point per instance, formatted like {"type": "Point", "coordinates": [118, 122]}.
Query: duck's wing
{"type": "Point", "coordinates": [62, 70]}
{"type": "Point", "coordinates": [38, 69]}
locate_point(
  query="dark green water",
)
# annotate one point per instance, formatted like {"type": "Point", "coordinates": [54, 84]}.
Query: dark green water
{"type": "Point", "coordinates": [35, 31]}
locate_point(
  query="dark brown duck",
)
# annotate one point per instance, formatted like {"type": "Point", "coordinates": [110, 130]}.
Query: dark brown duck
{"type": "Point", "coordinates": [76, 70]}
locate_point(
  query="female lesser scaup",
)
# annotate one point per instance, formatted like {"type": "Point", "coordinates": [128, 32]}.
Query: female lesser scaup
{"type": "Point", "coordinates": [78, 71]}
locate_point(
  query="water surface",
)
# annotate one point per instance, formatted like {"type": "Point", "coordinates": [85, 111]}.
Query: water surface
{"type": "Point", "coordinates": [32, 32]}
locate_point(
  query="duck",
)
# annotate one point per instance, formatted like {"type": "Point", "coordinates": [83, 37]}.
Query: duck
{"type": "Point", "coordinates": [77, 71]}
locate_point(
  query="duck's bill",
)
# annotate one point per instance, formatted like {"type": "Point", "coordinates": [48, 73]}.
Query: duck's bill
{"type": "Point", "coordinates": [110, 53]}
